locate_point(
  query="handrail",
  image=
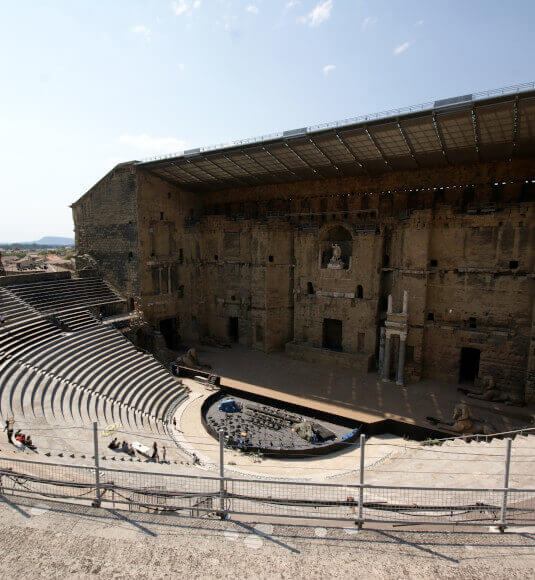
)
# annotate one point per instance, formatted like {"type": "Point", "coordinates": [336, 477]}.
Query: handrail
{"type": "Point", "coordinates": [478, 96]}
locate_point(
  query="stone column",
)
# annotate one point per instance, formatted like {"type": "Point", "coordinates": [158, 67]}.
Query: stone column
{"type": "Point", "coordinates": [401, 359]}
{"type": "Point", "coordinates": [169, 289]}
{"type": "Point", "coordinates": [389, 309]}
{"type": "Point", "coordinates": [160, 280]}
{"type": "Point", "coordinates": [405, 302]}
{"type": "Point", "coordinates": [381, 350]}
{"type": "Point", "coordinates": [386, 361]}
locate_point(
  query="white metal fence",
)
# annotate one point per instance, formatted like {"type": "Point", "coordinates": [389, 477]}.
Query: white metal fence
{"type": "Point", "coordinates": [196, 496]}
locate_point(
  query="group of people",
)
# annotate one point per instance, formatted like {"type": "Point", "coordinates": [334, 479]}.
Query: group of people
{"type": "Point", "coordinates": [155, 454]}
{"type": "Point", "coordinates": [124, 446]}
{"type": "Point", "coordinates": [128, 448]}
{"type": "Point", "coordinates": [18, 436]}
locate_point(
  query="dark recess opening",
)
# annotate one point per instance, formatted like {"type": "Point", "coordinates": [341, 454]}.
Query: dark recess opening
{"type": "Point", "coordinates": [233, 329]}
{"type": "Point", "coordinates": [332, 334]}
{"type": "Point", "coordinates": [270, 258]}
{"type": "Point", "coordinates": [169, 330]}
{"type": "Point", "coordinates": [430, 316]}
{"type": "Point", "coordinates": [513, 265]}
{"type": "Point", "coordinates": [469, 365]}
{"type": "Point", "coordinates": [310, 288]}
{"type": "Point", "coordinates": [433, 263]}
{"type": "Point", "coordinates": [360, 291]}
{"type": "Point", "coordinates": [472, 322]}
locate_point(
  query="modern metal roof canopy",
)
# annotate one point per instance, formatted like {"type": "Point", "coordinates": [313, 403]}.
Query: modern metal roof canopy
{"type": "Point", "coordinates": [485, 126]}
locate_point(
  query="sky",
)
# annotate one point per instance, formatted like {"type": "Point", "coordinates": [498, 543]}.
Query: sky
{"type": "Point", "coordinates": [87, 84]}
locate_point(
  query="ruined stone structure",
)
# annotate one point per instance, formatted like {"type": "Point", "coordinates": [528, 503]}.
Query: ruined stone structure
{"type": "Point", "coordinates": [297, 241]}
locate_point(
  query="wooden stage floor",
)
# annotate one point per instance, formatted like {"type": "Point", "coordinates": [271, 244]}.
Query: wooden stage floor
{"type": "Point", "coordinates": [362, 397]}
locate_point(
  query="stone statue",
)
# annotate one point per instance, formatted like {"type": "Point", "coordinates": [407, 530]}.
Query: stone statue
{"type": "Point", "coordinates": [191, 360]}
{"type": "Point", "coordinates": [464, 423]}
{"type": "Point", "coordinates": [489, 392]}
{"type": "Point", "coordinates": [336, 263]}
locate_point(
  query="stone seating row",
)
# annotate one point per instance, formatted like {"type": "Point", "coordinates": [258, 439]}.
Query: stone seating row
{"type": "Point", "coordinates": [66, 294]}
{"type": "Point", "coordinates": [90, 372]}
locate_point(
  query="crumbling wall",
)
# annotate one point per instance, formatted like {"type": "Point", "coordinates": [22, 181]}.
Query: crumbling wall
{"type": "Point", "coordinates": [105, 225]}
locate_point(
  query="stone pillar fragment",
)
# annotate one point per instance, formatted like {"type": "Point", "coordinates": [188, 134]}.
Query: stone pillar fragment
{"type": "Point", "coordinates": [386, 363]}
{"type": "Point", "coordinates": [381, 349]}
{"type": "Point", "coordinates": [401, 360]}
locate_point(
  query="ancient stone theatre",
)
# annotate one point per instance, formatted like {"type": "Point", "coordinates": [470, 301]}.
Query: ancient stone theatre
{"type": "Point", "coordinates": [402, 241]}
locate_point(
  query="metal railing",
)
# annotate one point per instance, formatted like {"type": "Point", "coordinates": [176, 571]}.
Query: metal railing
{"type": "Point", "coordinates": [428, 106]}
{"type": "Point", "coordinates": [198, 495]}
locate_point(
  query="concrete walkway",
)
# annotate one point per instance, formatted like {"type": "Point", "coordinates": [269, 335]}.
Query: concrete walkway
{"type": "Point", "coordinates": [60, 541]}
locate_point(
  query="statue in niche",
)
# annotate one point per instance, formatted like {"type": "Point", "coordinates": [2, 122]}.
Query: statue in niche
{"type": "Point", "coordinates": [336, 263]}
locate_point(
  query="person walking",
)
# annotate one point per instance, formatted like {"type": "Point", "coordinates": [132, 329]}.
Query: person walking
{"type": "Point", "coordinates": [164, 455]}
{"type": "Point", "coordinates": [155, 452]}
{"type": "Point", "coordinates": [9, 428]}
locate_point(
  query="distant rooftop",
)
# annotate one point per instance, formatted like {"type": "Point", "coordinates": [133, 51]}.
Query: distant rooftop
{"type": "Point", "coordinates": [494, 124]}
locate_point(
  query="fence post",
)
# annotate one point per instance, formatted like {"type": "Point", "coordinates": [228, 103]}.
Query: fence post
{"type": "Point", "coordinates": [503, 519]}
{"type": "Point", "coordinates": [97, 501]}
{"type": "Point", "coordinates": [360, 521]}
{"type": "Point", "coordinates": [221, 474]}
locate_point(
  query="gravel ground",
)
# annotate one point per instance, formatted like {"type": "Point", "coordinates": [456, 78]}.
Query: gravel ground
{"type": "Point", "coordinates": [57, 540]}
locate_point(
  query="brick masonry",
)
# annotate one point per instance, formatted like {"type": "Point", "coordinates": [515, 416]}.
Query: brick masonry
{"type": "Point", "coordinates": [460, 239]}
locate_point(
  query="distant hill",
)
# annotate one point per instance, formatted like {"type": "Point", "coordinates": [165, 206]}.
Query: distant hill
{"type": "Point", "coordinates": [46, 241]}
{"type": "Point", "coordinates": [54, 241]}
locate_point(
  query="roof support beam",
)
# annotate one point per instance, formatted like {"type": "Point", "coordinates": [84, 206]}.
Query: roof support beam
{"type": "Point", "coordinates": [324, 154]}
{"type": "Point", "coordinates": [182, 168]}
{"type": "Point", "coordinates": [438, 133]}
{"type": "Point", "coordinates": [408, 143]}
{"type": "Point", "coordinates": [233, 177]}
{"type": "Point", "coordinates": [257, 180]}
{"type": "Point", "coordinates": [476, 130]}
{"type": "Point", "coordinates": [370, 136]}
{"type": "Point", "coordinates": [357, 160]}
{"type": "Point", "coordinates": [270, 173]}
{"type": "Point", "coordinates": [301, 159]}
{"type": "Point", "coordinates": [515, 123]}
{"type": "Point", "coordinates": [279, 161]}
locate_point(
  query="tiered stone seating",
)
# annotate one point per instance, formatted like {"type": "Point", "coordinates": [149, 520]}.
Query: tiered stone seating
{"type": "Point", "coordinates": [88, 372]}
{"type": "Point", "coordinates": [65, 295]}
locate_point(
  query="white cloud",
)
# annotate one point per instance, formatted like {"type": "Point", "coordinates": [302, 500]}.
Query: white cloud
{"type": "Point", "coordinates": [181, 7]}
{"type": "Point", "coordinates": [368, 21]}
{"type": "Point", "coordinates": [401, 48]}
{"type": "Point", "coordinates": [328, 69]}
{"type": "Point", "coordinates": [147, 144]}
{"type": "Point", "coordinates": [420, 23]}
{"type": "Point", "coordinates": [181, 66]}
{"type": "Point", "coordinates": [142, 31]}
{"type": "Point", "coordinates": [320, 13]}
{"type": "Point", "coordinates": [252, 9]}
{"type": "Point", "coordinates": [291, 4]}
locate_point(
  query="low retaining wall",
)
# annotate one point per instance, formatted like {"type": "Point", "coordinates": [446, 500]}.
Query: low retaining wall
{"type": "Point", "coordinates": [360, 362]}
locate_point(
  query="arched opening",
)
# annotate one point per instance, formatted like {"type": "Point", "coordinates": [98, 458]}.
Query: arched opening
{"type": "Point", "coordinates": [310, 288]}
{"type": "Point", "coordinates": [336, 247]}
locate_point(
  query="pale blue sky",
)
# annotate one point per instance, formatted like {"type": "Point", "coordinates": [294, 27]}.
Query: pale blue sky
{"type": "Point", "coordinates": [86, 84]}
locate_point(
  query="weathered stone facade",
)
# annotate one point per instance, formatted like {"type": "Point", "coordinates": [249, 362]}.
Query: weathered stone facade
{"type": "Point", "coordinates": [251, 264]}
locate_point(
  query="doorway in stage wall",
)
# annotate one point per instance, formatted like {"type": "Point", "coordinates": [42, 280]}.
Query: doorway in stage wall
{"type": "Point", "coordinates": [332, 334]}
{"type": "Point", "coordinates": [469, 364]}
{"type": "Point", "coordinates": [233, 329]}
{"type": "Point", "coordinates": [169, 329]}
